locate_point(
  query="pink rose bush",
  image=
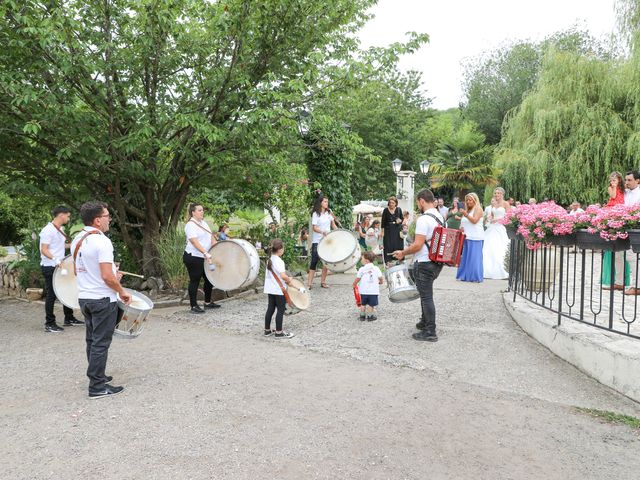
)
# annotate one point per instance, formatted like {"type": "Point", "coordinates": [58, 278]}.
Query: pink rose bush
{"type": "Point", "coordinates": [538, 223]}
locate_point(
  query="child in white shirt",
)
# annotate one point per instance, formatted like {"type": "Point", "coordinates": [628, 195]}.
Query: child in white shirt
{"type": "Point", "coordinates": [368, 281]}
{"type": "Point", "coordinates": [274, 289]}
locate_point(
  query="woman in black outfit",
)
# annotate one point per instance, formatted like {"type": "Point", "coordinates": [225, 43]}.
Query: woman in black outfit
{"type": "Point", "coordinates": [391, 228]}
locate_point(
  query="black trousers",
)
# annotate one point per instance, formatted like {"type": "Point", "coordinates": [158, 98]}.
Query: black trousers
{"type": "Point", "coordinates": [314, 257]}
{"type": "Point", "coordinates": [50, 298]}
{"type": "Point", "coordinates": [100, 322]}
{"type": "Point", "coordinates": [425, 274]}
{"type": "Point", "coordinates": [195, 267]}
{"type": "Point", "coordinates": [275, 301]}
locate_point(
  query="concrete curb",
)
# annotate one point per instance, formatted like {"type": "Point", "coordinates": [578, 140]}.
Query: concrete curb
{"type": "Point", "coordinates": [611, 359]}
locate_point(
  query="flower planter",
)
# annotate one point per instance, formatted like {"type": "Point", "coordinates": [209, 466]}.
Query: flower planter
{"type": "Point", "coordinates": [563, 240]}
{"type": "Point", "coordinates": [593, 241]}
{"type": "Point", "coordinates": [634, 240]}
{"type": "Point", "coordinates": [512, 233]}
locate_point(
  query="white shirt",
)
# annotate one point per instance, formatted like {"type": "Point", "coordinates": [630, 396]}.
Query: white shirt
{"type": "Point", "coordinates": [49, 235]}
{"type": "Point", "coordinates": [472, 231]}
{"type": "Point", "coordinates": [323, 222]}
{"type": "Point", "coordinates": [425, 226]}
{"type": "Point", "coordinates": [270, 284]}
{"type": "Point", "coordinates": [579, 210]}
{"type": "Point", "coordinates": [203, 235]}
{"type": "Point", "coordinates": [631, 197]}
{"type": "Point", "coordinates": [95, 249]}
{"type": "Point", "coordinates": [369, 276]}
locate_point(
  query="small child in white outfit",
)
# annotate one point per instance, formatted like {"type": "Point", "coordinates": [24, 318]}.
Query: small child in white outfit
{"type": "Point", "coordinates": [368, 280]}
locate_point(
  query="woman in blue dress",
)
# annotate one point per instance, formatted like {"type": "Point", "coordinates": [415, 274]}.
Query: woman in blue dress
{"type": "Point", "coordinates": [471, 267]}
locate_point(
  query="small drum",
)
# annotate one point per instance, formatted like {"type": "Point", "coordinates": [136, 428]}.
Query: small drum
{"type": "Point", "coordinates": [236, 264]}
{"type": "Point", "coordinates": [401, 287]}
{"type": "Point", "coordinates": [300, 299]}
{"type": "Point", "coordinates": [131, 317]}
{"type": "Point", "coordinates": [339, 250]}
{"type": "Point", "coordinates": [65, 284]}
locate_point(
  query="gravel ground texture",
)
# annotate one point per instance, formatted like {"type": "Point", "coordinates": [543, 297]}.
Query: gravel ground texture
{"type": "Point", "coordinates": [208, 397]}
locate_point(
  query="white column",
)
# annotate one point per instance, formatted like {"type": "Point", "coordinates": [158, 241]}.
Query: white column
{"type": "Point", "coordinates": [405, 180]}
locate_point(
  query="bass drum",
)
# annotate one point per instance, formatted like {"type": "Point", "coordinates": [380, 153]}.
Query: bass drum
{"type": "Point", "coordinates": [339, 250]}
{"type": "Point", "coordinates": [299, 296]}
{"type": "Point", "coordinates": [65, 284]}
{"type": "Point", "coordinates": [236, 264]}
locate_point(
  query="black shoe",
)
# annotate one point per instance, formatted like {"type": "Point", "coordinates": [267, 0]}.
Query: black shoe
{"type": "Point", "coordinates": [371, 318]}
{"type": "Point", "coordinates": [421, 325]}
{"type": "Point", "coordinates": [108, 378]}
{"type": "Point", "coordinates": [283, 334]}
{"type": "Point", "coordinates": [197, 309]}
{"type": "Point", "coordinates": [211, 305]}
{"type": "Point", "coordinates": [53, 328]}
{"type": "Point", "coordinates": [425, 336]}
{"type": "Point", "coordinates": [72, 321]}
{"type": "Point", "coordinates": [108, 391]}
{"type": "Point", "coordinates": [268, 332]}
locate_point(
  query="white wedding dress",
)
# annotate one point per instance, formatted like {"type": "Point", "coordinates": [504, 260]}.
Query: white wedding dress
{"type": "Point", "coordinates": [496, 244]}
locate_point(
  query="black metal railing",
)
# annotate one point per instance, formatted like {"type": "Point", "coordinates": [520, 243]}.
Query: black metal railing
{"type": "Point", "coordinates": [568, 282]}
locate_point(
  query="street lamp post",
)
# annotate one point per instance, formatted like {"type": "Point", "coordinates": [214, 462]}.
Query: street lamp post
{"type": "Point", "coordinates": [405, 183]}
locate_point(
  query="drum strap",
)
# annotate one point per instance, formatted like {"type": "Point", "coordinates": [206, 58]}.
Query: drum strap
{"type": "Point", "coordinates": [66, 237]}
{"type": "Point", "coordinates": [287, 298]}
{"type": "Point", "coordinates": [78, 245]}
{"type": "Point", "coordinates": [200, 226]}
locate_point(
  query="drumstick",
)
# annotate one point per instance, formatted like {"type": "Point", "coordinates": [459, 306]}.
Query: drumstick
{"type": "Point", "coordinates": [296, 288]}
{"type": "Point", "coordinates": [129, 273]}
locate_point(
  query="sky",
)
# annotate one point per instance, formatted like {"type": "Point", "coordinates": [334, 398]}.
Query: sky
{"type": "Point", "coordinates": [460, 29]}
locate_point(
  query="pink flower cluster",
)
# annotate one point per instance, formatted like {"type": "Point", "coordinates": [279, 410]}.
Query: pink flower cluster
{"type": "Point", "coordinates": [613, 222]}
{"type": "Point", "coordinates": [537, 223]}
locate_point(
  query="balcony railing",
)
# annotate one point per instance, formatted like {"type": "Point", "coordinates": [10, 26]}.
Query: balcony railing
{"type": "Point", "coordinates": [568, 282]}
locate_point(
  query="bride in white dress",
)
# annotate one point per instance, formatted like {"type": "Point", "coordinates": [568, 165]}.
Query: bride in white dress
{"type": "Point", "coordinates": [496, 241]}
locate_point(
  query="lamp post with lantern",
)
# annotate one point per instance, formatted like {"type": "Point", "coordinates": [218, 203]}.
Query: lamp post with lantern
{"type": "Point", "coordinates": [405, 184]}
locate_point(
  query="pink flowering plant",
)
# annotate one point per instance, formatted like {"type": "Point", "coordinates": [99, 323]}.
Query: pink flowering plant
{"type": "Point", "coordinates": [613, 222]}
{"type": "Point", "coordinates": [538, 223]}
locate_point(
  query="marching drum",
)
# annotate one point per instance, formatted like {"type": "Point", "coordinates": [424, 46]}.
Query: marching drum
{"type": "Point", "coordinates": [65, 284]}
{"type": "Point", "coordinates": [401, 287]}
{"type": "Point", "coordinates": [131, 317]}
{"type": "Point", "coordinates": [339, 250]}
{"type": "Point", "coordinates": [236, 264]}
{"type": "Point", "coordinates": [299, 296]}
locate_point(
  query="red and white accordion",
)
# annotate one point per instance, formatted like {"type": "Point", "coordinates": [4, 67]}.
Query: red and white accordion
{"type": "Point", "coordinates": [446, 246]}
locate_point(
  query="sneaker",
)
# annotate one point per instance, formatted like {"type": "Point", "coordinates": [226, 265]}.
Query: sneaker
{"type": "Point", "coordinates": [197, 309]}
{"type": "Point", "coordinates": [371, 318]}
{"type": "Point", "coordinates": [283, 334]}
{"type": "Point", "coordinates": [108, 391]}
{"type": "Point", "coordinates": [362, 317]}
{"type": "Point", "coordinates": [108, 378]}
{"type": "Point", "coordinates": [211, 305]}
{"type": "Point", "coordinates": [268, 332]}
{"type": "Point", "coordinates": [53, 328]}
{"type": "Point", "coordinates": [72, 321]}
{"type": "Point", "coordinates": [425, 336]}
{"type": "Point", "coordinates": [421, 325]}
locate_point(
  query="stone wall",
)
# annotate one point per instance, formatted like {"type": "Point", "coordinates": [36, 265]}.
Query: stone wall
{"type": "Point", "coordinates": [9, 282]}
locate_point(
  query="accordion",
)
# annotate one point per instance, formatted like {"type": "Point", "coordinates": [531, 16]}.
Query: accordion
{"type": "Point", "coordinates": [446, 246]}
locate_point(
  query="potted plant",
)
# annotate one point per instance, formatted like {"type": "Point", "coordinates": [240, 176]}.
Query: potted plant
{"type": "Point", "coordinates": [607, 228]}
{"type": "Point", "coordinates": [542, 224]}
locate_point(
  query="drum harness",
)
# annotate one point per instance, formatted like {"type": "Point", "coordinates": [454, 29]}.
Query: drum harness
{"type": "Point", "coordinates": [78, 245]}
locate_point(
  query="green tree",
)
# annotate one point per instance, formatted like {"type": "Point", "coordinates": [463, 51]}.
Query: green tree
{"type": "Point", "coordinates": [464, 162]}
{"type": "Point", "coordinates": [138, 101]}
{"type": "Point", "coordinates": [388, 112]}
{"type": "Point", "coordinates": [496, 82]}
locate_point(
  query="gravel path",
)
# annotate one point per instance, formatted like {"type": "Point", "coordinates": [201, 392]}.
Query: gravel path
{"type": "Point", "coordinates": [209, 398]}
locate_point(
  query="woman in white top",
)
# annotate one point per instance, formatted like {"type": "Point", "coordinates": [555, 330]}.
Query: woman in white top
{"type": "Point", "coordinates": [199, 241]}
{"type": "Point", "coordinates": [471, 268]}
{"type": "Point", "coordinates": [496, 241]}
{"type": "Point", "coordinates": [322, 222]}
{"type": "Point", "coordinates": [275, 281]}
